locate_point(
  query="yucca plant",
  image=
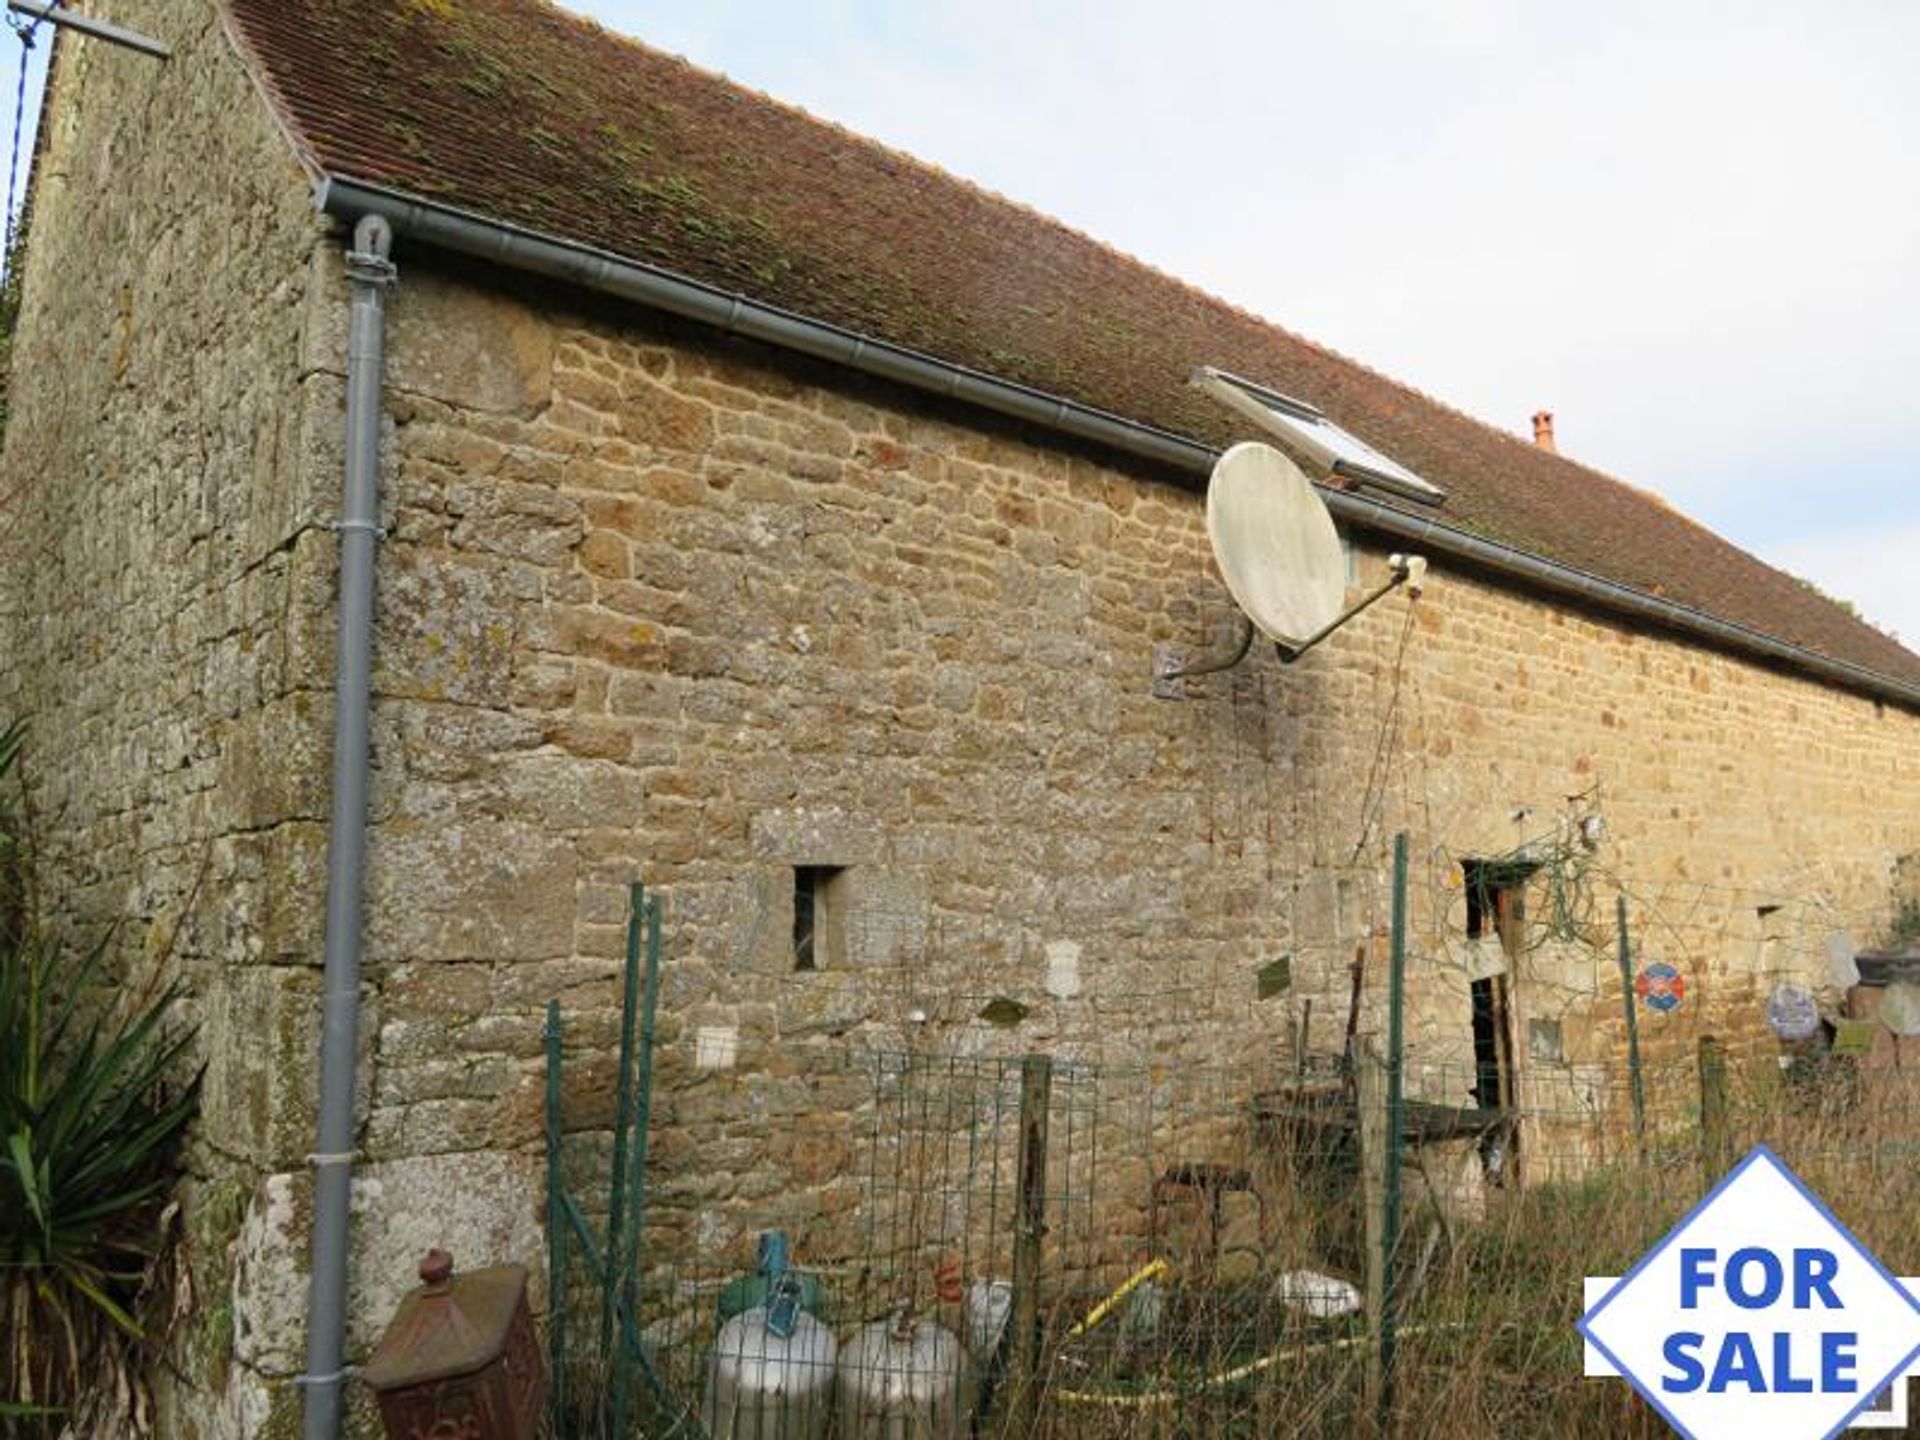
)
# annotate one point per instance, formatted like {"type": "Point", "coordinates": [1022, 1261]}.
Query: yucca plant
{"type": "Point", "coordinates": [92, 1111]}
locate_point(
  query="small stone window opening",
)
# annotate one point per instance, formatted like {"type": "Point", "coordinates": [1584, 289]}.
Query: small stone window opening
{"type": "Point", "coordinates": [816, 915]}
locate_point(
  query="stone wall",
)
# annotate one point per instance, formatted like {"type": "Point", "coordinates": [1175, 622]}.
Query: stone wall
{"type": "Point", "coordinates": [661, 605]}
{"type": "Point", "coordinates": [164, 593]}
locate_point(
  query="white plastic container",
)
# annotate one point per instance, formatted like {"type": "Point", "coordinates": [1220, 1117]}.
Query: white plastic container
{"type": "Point", "coordinates": [904, 1379]}
{"type": "Point", "coordinates": [771, 1376]}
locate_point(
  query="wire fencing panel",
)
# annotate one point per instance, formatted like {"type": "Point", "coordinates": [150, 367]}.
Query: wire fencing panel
{"type": "Point", "coordinates": [1205, 1255]}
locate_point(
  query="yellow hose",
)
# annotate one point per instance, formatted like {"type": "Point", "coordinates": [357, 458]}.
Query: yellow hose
{"type": "Point", "coordinates": [1152, 1270]}
{"type": "Point", "coordinates": [1151, 1399]}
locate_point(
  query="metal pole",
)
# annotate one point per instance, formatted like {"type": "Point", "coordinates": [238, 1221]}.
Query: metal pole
{"type": "Point", "coordinates": [369, 273]}
{"type": "Point", "coordinates": [54, 13]}
{"type": "Point", "coordinates": [556, 1229]}
{"type": "Point", "coordinates": [1633, 1028]}
{"type": "Point", "coordinates": [1030, 1228]}
{"type": "Point", "coordinates": [1396, 1084]}
{"type": "Point", "coordinates": [1402, 572]}
{"type": "Point", "coordinates": [628, 1275]}
{"type": "Point", "coordinates": [622, 1125]}
{"type": "Point", "coordinates": [1168, 672]}
{"type": "Point", "coordinates": [643, 1093]}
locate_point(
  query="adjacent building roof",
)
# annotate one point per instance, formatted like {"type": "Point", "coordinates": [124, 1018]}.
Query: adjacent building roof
{"type": "Point", "coordinates": [520, 112]}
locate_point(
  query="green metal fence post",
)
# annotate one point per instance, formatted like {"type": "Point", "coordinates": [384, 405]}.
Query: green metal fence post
{"type": "Point", "coordinates": [622, 1121]}
{"type": "Point", "coordinates": [1030, 1227]}
{"type": "Point", "coordinates": [1396, 1086]}
{"type": "Point", "coordinates": [556, 1231]}
{"type": "Point", "coordinates": [643, 1107]}
{"type": "Point", "coordinates": [1633, 1028]}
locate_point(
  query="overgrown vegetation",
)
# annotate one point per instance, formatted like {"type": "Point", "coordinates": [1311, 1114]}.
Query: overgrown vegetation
{"type": "Point", "coordinates": [92, 1111]}
{"type": "Point", "coordinates": [1488, 1306]}
{"type": "Point", "coordinates": [1165, 1318]}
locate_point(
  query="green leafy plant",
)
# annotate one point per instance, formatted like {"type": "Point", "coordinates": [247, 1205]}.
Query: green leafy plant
{"type": "Point", "coordinates": [92, 1111]}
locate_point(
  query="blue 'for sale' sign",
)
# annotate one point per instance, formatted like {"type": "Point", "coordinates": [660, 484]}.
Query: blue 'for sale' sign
{"type": "Point", "coordinates": [1759, 1314]}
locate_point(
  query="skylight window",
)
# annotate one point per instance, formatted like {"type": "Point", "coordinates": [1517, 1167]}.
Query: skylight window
{"type": "Point", "coordinates": [1314, 440]}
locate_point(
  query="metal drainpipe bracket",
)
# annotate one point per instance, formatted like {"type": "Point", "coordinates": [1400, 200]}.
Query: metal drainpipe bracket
{"type": "Point", "coordinates": [379, 532]}
{"type": "Point", "coordinates": [371, 269]}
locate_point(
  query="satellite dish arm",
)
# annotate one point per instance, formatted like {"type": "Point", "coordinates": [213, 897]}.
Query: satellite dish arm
{"type": "Point", "coordinates": [1402, 569]}
{"type": "Point", "coordinates": [1169, 669]}
{"type": "Point", "coordinates": [1226, 660]}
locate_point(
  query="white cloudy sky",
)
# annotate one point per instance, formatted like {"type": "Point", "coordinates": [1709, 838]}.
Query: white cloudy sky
{"type": "Point", "coordinates": [1691, 230]}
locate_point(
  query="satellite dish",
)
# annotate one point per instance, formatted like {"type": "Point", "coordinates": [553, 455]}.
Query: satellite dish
{"type": "Point", "coordinates": [1275, 543]}
{"type": "Point", "coordinates": [1282, 561]}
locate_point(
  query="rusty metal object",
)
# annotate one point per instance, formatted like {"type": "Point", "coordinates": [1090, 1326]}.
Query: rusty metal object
{"type": "Point", "coordinates": [1211, 1183]}
{"type": "Point", "coordinates": [460, 1360]}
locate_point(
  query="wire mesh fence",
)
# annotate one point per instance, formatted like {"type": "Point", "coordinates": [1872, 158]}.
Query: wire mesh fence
{"type": "Point", "coordinates": [1208, 1258]}
{"type": "Point", "coordinates": [1319, 1235]}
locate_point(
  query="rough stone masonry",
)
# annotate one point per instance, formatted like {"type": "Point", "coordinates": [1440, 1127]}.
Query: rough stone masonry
{"type": "Point", "coordinates": [656, 604]}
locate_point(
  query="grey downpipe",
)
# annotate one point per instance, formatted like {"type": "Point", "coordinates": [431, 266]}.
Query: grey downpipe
{"type": "Point", "coordinates": [467, 234]}
{"type": "Point", "coordinates": [369, 273]}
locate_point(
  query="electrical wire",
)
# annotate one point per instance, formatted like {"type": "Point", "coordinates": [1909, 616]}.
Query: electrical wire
{"type": "Point", "coordinates": [1370, 802]}
{"type": "Point", "coordinates": [25, 30]}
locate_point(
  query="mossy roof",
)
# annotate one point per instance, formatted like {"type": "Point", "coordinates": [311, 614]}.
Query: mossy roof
{"type": "Point", "coordinates": [522, 112]}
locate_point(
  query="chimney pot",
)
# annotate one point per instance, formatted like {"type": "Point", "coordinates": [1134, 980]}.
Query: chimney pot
{"type": "Point", "coordinates": [1543, 431]}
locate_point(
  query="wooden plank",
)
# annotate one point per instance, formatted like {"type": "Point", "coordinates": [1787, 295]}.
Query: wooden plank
{"type": "Point", "coordinates": [1370, 1086]}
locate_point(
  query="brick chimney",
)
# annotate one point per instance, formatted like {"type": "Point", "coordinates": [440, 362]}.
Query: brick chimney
{"type": "Point", "coordinates": [1543, 431]}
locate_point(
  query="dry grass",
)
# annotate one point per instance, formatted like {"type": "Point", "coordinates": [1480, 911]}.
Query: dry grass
{"type": "Point", "coordinates": [1488, 1276]}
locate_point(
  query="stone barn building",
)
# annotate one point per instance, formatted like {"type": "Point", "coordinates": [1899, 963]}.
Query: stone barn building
{"type": "Point", "coordinates": [772, 517]}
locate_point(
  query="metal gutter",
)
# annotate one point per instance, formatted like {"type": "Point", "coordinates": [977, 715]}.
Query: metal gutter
{"type": "Point", "coordinates": [469, 234]}
{"type": "Point", "coordinates": [466, 233]}
{"type": "Point", "coordinates": [1611, 595]}
{"type": "Point", "coordinates": [369, 273]}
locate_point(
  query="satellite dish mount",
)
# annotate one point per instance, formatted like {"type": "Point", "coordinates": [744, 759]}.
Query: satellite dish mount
{"type": "Point", "coordinates": [1282, 561]}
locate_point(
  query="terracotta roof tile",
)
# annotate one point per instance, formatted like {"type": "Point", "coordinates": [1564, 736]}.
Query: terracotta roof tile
{"type": "Point", "coordinates": [522, 112]}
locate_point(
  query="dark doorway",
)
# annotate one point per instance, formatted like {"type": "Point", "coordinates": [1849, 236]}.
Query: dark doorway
{"type": "Point", "coordinates": [1489, 1008]}
{"type": "Point", "coordinates": [1496, 909]}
